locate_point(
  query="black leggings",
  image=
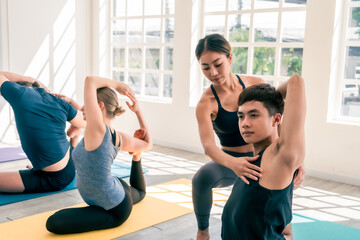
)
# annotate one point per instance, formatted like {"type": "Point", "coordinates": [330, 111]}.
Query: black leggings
{"type": "Point", "coordinates": [210, 175]}
{"type": "Point", "coordinates": [89, 218]}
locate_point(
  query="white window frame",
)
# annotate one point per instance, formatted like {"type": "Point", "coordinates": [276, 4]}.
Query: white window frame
{"type": "Point", "coordinates": [143, 45]}
{"type": "Point", "coordinates": [336, 89]}
{"type": "Point", "coordinates": [276, 79]}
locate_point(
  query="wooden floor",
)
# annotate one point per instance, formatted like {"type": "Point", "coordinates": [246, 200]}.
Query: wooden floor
{"type": "Point", "coordinates": [320, 199]}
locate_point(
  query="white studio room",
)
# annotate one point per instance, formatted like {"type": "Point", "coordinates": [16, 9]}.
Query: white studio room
{"type": "Point", "coordinates": [180, 119]}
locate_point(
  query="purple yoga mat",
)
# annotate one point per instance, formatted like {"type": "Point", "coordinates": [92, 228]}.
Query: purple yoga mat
{"type": "Point", "coordinates": [11, 153]}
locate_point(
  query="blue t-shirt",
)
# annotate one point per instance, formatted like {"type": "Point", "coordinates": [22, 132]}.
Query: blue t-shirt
{"type": "Point", "coordinates": [41, 121]}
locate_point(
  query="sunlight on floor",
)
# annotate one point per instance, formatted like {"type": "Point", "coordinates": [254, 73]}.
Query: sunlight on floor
{"type": "Point", "coordinates": [308, 203]}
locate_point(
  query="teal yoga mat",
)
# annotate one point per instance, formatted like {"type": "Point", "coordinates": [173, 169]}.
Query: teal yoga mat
{"type": "Point", "coordinates": [118, 169]}
{"type": "Point", "coordinates": [322, 230]}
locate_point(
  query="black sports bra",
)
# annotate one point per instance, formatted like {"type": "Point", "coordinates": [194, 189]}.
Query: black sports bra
{"type": "Point", "coordinates": [226, 124]}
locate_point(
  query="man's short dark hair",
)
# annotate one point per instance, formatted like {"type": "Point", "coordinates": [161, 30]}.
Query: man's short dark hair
{"type": "Point", "coordinates": [266, 94]}
{"type": "Point", "coordinates": [29, 84]}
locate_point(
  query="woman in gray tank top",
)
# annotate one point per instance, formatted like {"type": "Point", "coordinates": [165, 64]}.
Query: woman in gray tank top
{"type": "Point", "coordinates": [109, 198]}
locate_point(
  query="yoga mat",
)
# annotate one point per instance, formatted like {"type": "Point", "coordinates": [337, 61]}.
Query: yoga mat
{"type": "Point", "coordinates": [11, 153]}
{"type": "Point", "coordinates": [149, 212]}
{"type": "Point", "coordinates": [118, 169]}
{"type": "Point", "coordinates": [322, 230]}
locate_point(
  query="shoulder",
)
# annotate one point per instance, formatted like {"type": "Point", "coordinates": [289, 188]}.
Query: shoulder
{"type": "Point", "coordinates": [206, 101]}
{"type": "Point", "coordinates": [251, 80]}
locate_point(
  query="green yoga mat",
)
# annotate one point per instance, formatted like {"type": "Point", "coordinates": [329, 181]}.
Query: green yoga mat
{"type": "Point", "coordinates": [118, 169]}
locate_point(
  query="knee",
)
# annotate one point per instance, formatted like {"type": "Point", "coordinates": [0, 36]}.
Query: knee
{"type": "Point", "coordinates": [202, 179]}
{"type": "Point", "coordinates": [53, 225]}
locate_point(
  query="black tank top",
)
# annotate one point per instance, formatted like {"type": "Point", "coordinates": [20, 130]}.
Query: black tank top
{"type": "Point", "coordinates": [226, 124]}
{"type": "Point", "coordinates": [254, 212]}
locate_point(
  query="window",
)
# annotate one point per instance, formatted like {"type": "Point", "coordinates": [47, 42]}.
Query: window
{"type": "Point", "coordinates": [348, 101]}
{"type": "Point", "coordinates": [142, 34]}
{"type": "Point", "coordinates": [266, 36]}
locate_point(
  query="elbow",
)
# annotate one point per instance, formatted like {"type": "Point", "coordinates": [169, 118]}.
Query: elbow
{"type": "Point", "coordinates": [89, 79]}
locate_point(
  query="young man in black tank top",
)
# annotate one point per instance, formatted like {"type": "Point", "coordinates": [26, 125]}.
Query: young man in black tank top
{"type": "Point", "coordinates": [262, 209]}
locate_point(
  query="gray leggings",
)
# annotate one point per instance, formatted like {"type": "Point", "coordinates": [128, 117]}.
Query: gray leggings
{"type": "Point", "coordinates": [210, 175]}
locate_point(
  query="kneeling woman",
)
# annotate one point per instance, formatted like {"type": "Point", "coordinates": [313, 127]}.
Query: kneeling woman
{"type": "Point", "coordinates": [109, 198]}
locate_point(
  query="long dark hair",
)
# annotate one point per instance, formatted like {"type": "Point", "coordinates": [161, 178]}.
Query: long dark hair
{"type": "Point", "coordinates": [214, 43]}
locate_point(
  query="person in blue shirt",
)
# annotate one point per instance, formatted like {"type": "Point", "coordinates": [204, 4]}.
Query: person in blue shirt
{"type": "Point", "coordinates": [41, 121]}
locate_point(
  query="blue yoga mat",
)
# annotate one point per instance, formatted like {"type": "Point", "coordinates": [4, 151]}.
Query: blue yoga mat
{"type": "Point", "coordinates": [118, 169]}
{"type": "Point", "coordinates": [11, 153]}
{"type": "Point", "coordinates": [322, 230]}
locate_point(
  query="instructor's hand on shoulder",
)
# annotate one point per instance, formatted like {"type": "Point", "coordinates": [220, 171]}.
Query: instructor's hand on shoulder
{"type": "Point", "coordinates": [244, 169]}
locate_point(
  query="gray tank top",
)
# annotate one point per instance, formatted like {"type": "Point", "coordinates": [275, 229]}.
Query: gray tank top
{"type": "Point", "coordinates": [93, 174]}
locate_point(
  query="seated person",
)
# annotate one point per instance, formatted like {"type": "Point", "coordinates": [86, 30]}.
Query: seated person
{"type": "Point", "coordinates": [41, 121]}
{"type": "Point", "coordinates": [110, 199]}
{"type": "Point", "coordinates": [262, 209]}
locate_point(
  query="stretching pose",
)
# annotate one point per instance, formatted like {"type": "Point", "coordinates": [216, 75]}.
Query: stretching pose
{"type": "Point", "coordinates": [217, 111]}
{"type": "Point", "coordinates": [41, 121]}
{"type": "Point", "coordinates": [262, 209]}
{"type": "Point", "coordinates": [109, 198]}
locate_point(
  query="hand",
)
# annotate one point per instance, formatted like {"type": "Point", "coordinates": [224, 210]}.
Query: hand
{"type": "Point", "coordinates": [140, 134]}
{"type": "Point", "coordinates": [135, 105]}
{"type": "Point", "coordinates": [73, 132]}
{"type": "Point", "coordinates": [63, 97]}
{"type": "Point", "coordinates": [299, 178]}
{"type": "Point", "coordinates": [244, 169]}
{"type": "Point", "coordinates": [124, 89]}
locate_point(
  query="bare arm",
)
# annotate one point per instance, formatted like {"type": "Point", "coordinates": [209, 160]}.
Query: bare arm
{"type": "Point", "coordinates": [14, 77]}
{"type": "Point", "coordinates": [95, 128]}
{"type": "Point", "coordinates": [241, 166]}
{"type": "Point", "coordinates": [291, 143]}
{"type": "Point", "coordinates": [135, 144]}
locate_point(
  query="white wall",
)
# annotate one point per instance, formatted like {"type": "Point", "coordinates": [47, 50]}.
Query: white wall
{"type": "Point", "coordinates": [36, 32]}
{"type": "Point", "coordinates": [50, 41]}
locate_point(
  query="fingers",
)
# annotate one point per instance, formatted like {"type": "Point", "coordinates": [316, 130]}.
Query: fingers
{"type": "Point", "coordinates": [245, 180]}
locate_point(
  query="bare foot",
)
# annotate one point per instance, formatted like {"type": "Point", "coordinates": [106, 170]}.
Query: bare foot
{"type": "Point", "coordinates": [29, 166]}
{"type": "Point", "coordinates": [203, 235]}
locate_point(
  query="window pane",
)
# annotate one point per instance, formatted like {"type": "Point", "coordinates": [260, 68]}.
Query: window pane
{"type": "Point", "coordinates": [152, 29]}
{"type": "Point", "coordinates": [214, 5]}
{"type": "Point", "coordinates": [293, 26]}
{"type": "Point", "coordinates": [168, 58]}
{"type": "Point", "coordinates": [118, 57]}
{"type": "Point", "coordinates": [206, 83]}
{"type": "Point", "coordinates": [352, 63]}
{"type": "Point", "coordinates": [152, 7]}
{"type": "Point", "coordinates": [239, 28]}
{"type": "Point", "coordinates": [135, 57]}
{"type": "Point", "coordinates": [214, 24]}
{"type": "Point", "coordinates": [264, 61]}
{"type": "Point", "coordinates": [353, 31]}
{"type": "Point", "coordinates": [239, 62]}
{"type": "Point", "coordinates": [134, 7]}
{"type": "Point", "coordinates": [294, 3]}
{"type": "Point", "coordinates": [265, 25]}
{"type": "Point", "coordinates": [118, 30]}
{"type": "Point", "coordinates": [135, 82]}
{"type": "Point", "coordinates": [118, 8]}
{"type": "Point", "coordinates": [152, 84]}
{"type": "Point", "coordinates": [169, 7]}
{"type": "Point", "coordinates": [169, 29]}
{"type": "Point", "coordinates": [266, 3]}
{"type": "Point", "coordinates": [291, 61]}
{"type": "Point", "coordinates": [350, 100]}
{"type": "Point", "coordinates": [119, 76]}
{"type": "Point", "coordinates": [167, 89]}
{"type": "Point", "coordinates": [134, 28]}
{"type": "Point", "coordinates": [152, 58]}
{"type": "Point", "coordinates": [235, 5]}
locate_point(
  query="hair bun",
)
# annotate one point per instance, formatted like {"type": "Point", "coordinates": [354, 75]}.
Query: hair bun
{"type": "Point", "coordinates": [119, 110]}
